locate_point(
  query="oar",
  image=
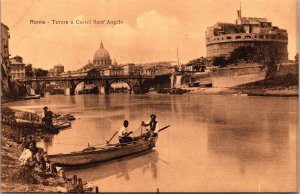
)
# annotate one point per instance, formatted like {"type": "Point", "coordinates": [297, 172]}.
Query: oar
{"type": "Point", "coordinates": [163, 128]}
{"type": "Point", "coordinates": [107, 142]}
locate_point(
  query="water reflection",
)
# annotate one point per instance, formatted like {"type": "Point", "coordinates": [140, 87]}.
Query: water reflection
{"type": "Point", "coordinates": [121, 168]}
{"type": "Point", "coordinates": [215, 143]}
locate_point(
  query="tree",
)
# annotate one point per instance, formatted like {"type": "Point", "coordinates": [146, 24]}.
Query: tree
{"type": "Point", "coordinates": [39, 72]}
{"type": "Point", "coordinates": [246, 53]}
{"type": "Point", "coordinates": [28, 71]}
{"type": "Point", "coordinates": [220, 61]}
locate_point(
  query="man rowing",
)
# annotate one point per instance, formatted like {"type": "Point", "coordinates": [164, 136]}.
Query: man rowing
{"type": "Point", "coordinates": [125, 135]}
{"type": "Point", "coordinates": [153, 124]}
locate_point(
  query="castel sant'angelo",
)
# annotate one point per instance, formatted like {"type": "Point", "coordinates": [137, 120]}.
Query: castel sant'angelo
{"type": "Point", "coordinates": [223, 38]}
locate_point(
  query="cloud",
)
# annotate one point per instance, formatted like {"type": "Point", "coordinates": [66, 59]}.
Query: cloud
{"type": "Point", "coordinates": [145, 40]}
{"type": "Point", "coordinates": [151, 37]}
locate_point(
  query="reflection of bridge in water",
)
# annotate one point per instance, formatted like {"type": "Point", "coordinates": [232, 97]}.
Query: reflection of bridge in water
{"type": "Point", "coordinates": [138, 84]}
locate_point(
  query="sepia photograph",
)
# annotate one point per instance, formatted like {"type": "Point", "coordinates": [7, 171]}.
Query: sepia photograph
{"type": "Point", "coordinates": [101, 96]}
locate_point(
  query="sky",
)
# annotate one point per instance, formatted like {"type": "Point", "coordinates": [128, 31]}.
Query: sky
{"type": "Point", "coordinates": [151, 30]}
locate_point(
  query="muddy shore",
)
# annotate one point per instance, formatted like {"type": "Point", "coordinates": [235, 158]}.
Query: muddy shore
{"type": "Point", "coordinates": [285, 92]}
{"type": "Point", "coordinates": [13, 176]}
{"type": "Point", "coordinates": [11, 179]}
{"type": "Point", "coordinates": [283, 86]}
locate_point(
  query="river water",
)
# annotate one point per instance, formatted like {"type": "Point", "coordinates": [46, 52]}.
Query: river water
{"type": "Point", "coordinates": [215, 143]}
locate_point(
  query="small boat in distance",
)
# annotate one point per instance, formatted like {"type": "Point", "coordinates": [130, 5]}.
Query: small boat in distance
{"type": "Point", "coordinates": [29, 97]}
{"type": "Point", "coordinates": [102, 154]}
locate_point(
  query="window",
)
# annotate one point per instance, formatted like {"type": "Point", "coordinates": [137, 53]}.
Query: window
{"type": "Point", "coordinates": [228, 37]}
{"type": "Point", "coordinates": [238, 37]}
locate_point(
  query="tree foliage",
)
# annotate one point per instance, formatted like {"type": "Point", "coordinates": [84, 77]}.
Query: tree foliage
{"type": "Point", "coordinates": [269, 57]}
{"type": "Point", "coordinates": [40, 72]}
{"type": "Point", "coordinates": [29, 71]}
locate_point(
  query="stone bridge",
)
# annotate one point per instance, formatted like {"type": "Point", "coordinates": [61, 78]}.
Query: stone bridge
{"type": "Point", "coordinates": [137, 84]}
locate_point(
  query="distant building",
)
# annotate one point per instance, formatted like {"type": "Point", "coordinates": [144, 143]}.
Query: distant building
{"type": "Point", "coordinates": [17, 68]}
{"type": "Point", "coordinates": [129, 69]}
{"type": "Point", "coordinates": [101, 58]}
{"type": "Point", "coordinates": [88, 73]}
{"type": "Point", "coordinates": [115, 62]}
{"type": "Point", "coordinates": [223, 38]}
{"type": "Point", "coordinates": [51, 72]}
{"type": "Point", "coordinates": [58, 69]}
{"type": "Point", "coordinates": [150, 71]}
{"type": "Point", "coordinates": [138, 70]}
{"type": "Point", "coordinates": [197, 65]}
{"type": "Point", "coordinates": [5, 72]}
{"type": "Point", "coordinates": [114, 71]}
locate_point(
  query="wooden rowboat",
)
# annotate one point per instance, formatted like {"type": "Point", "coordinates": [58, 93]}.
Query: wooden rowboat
{"type": "Point", "coordinates": [35, 125]}
{"type": "Point", "coordinates": [109, 152]}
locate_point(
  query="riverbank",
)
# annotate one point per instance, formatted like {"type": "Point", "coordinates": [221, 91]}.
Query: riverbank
{"type": "Point", "coordinates": [283, 86]}
{"type": "Point", "coordinates": [18, 178]}
{"type": "Point", "coordinates": [280, 86]}
{"type": "Point", "coordinates": [12, 178]}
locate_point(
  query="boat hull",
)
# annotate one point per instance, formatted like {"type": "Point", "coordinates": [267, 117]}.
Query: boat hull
{"type": "Point", "coordinates": [102, 154]}
{"type": "Point", "coordinates": [26, 123]}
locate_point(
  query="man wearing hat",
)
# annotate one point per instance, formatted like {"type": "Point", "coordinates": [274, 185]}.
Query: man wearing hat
{"type": "Point", "coordinates": [153, 124]}
{"type": "Point", "coordinates": [47, 118]}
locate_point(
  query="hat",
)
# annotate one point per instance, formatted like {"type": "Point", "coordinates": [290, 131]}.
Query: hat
{"type": "Point", "coordinates": [45, 107]}
{"type": "Point", "coordinates": [153, 115]}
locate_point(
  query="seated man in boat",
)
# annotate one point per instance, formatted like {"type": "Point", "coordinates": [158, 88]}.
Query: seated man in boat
{"type": "Point", "coordinates": [153, 124]}
{"type": "Point", "coordinates": [124, 133]}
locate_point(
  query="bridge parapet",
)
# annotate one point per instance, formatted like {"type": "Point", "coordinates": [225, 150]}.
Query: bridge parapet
{"type": "Point", "coordinates": [81, 78]}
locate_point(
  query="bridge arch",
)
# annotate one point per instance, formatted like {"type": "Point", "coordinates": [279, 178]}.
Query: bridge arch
{"type": "Point", "coordinates": [62, 84]}
{"type": "Point", "coordinates": [98, 84]}
{"type": "Point", "coordinates": [128, 82]}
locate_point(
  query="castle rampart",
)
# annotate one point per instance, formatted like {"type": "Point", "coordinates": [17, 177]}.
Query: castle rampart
{"type": "Point", "coordinates": [223, 38]}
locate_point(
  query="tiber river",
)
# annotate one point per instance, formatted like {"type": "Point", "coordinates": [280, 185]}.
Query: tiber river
{"type": "Point", "coordinates": [215, 143]}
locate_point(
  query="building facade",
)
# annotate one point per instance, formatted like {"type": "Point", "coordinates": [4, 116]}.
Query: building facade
{"type": "Point", "coordinates": [114, 71]}
{"type": "Point", "coordinates": [223, 38]}
{"type": "Point", "coordinates": [5, 72]}
{"type": "Point", "coordinates": [129, 69]}
{"type": "Point", "coordinates": [58, 69]}
{"type": "Point", "coordinates": [17, 68]}
{"type": "Point", "coordinates": [197, 65]}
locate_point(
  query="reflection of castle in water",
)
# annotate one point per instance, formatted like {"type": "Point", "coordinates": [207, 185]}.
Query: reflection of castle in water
{"type": "Point", "coordinates": [120, 168]}
{"type": "Point", "coordinates": [239, 135]}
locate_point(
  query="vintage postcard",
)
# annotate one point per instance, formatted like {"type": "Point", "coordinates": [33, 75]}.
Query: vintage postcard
{"type": "Point", "coordinates": [149, 96]}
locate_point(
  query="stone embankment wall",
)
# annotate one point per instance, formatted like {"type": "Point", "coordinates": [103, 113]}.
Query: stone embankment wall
{"type": "Point", "coordinates": [233, 76]}
{"type": "Point", "coordinates": [287, 68]}
{"type": "Point", "coordinates": [202, 79]}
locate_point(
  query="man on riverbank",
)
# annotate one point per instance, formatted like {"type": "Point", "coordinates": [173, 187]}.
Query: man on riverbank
{"type": "Point", "coordinates": [124, 133]}
{"type": "Point", "coordinates": [47, 120]}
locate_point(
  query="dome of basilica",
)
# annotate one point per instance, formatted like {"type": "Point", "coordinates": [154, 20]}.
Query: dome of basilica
{"type": "Point", "coordinates": [102, 57]}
